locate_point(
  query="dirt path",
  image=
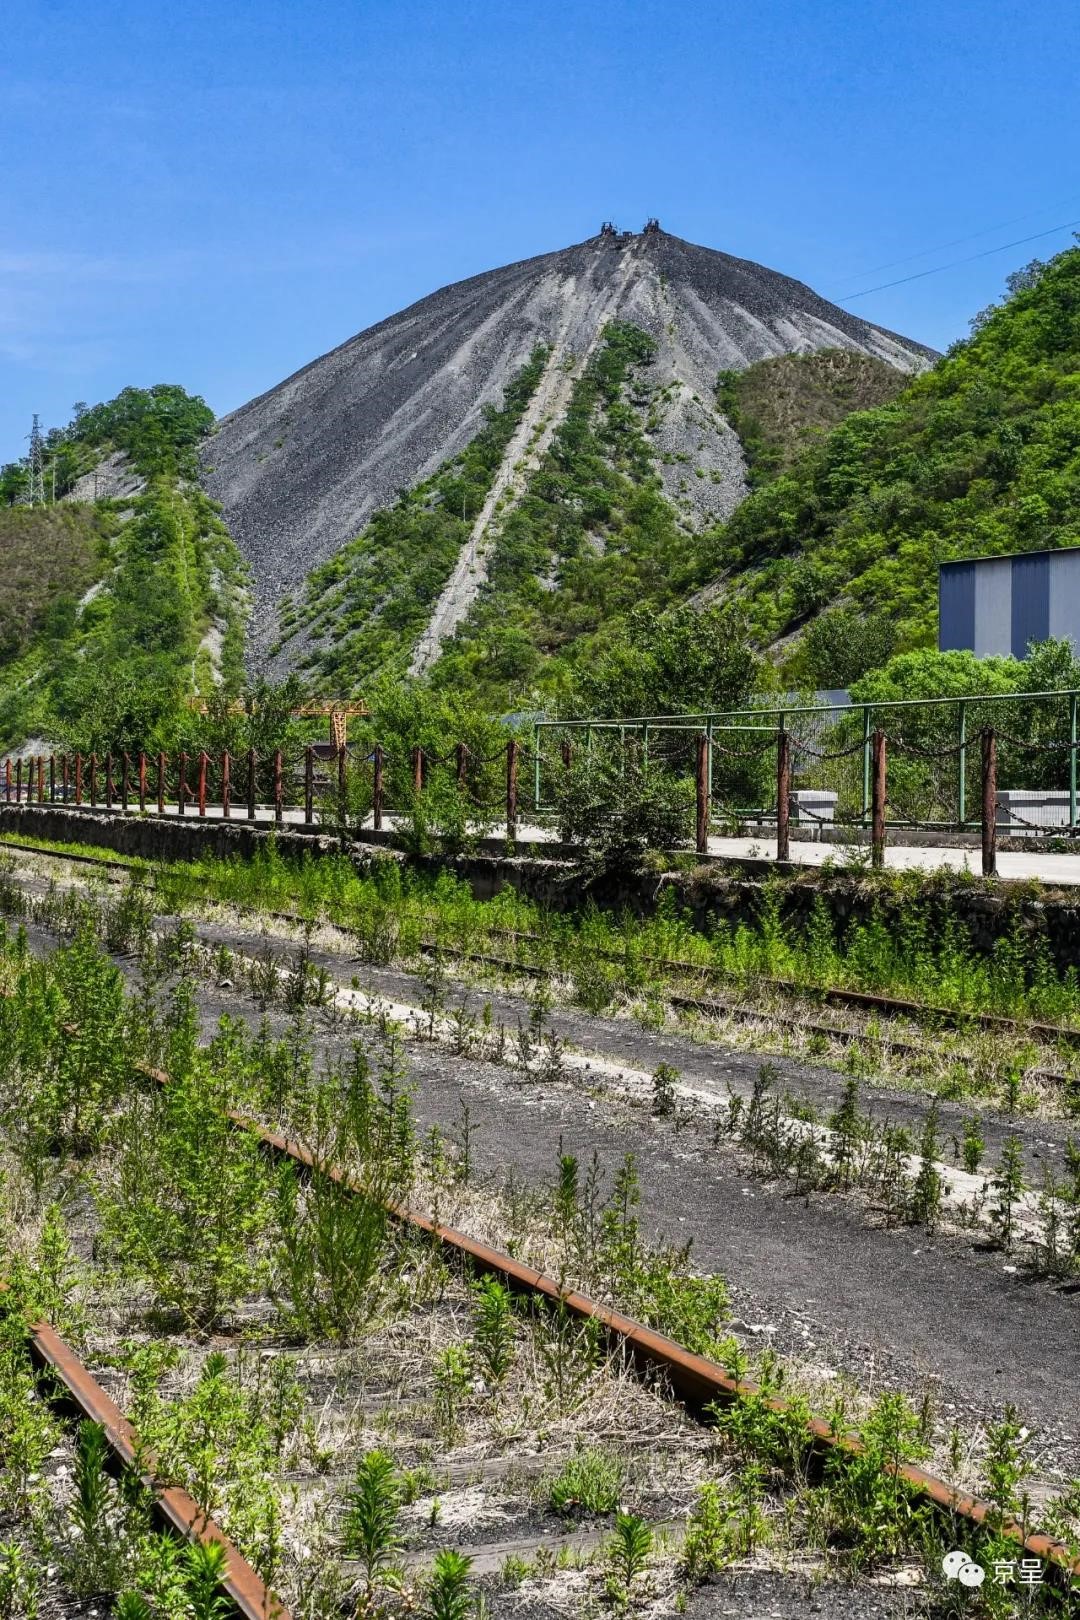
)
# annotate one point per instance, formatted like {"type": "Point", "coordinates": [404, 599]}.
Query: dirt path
{"type": "Point", "coordinates": [543, 414]}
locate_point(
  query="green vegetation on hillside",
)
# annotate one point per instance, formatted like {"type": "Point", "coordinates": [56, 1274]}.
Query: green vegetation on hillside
{"type": "Point", "coordinates": [979, 456]}
{"type": "Point", "coordinates": [592, 540]}
{"type": "Point", "coordinates": [156, 428]}
{"type": "Point", "coordinates": [50, 555]}
{"type": "Point", "coordinates": [111, 668]}
{"type": "Point", "coordinates": [364, 609]}
{"type": "Point", "coordinates": [781, 406]}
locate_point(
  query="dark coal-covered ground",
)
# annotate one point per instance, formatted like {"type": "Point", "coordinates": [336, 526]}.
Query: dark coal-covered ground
{"type": "Point", "coordinates": [818, 1275]}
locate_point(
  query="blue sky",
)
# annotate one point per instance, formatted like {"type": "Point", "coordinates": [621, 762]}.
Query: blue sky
{"type": "Point", "coordinates": [215, 193]}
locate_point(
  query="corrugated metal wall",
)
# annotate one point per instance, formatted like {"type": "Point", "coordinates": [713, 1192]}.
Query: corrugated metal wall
{"type": "Point", "coordinates": [998, 605]}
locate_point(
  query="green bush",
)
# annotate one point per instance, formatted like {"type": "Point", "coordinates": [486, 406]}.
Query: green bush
{"type": "Point", "coordinates": [590, 1482]}
{"type": "Point", "coordinates": [622, 809]}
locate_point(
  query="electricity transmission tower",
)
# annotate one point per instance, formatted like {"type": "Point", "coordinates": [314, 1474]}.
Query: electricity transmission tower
{"type": "Point", "coordinates": [35, 489]}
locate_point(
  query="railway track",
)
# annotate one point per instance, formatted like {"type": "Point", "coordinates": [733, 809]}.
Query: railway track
{"type": "Point", "coordinates": [694, 1380]}
{"type": "Point", "coordinates": [176, 1511]}
{"type": "Point", "coordinates": [928, 1013]}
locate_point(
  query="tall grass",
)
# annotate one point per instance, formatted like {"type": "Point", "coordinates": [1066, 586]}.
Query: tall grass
{"type": "Point", "coordinates": [897, 950]}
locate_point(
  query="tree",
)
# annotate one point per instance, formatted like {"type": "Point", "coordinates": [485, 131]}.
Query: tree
{"type": "Point", "coordinates": [841, 646]}
{"type": "Point", "coordinates": [677, 662]}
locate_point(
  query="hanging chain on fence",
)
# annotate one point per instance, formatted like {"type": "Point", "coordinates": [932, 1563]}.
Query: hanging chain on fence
{"type": "Point", "coordinates": [822, 755]}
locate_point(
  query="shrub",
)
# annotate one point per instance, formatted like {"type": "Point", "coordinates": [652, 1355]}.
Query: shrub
{"type": "Point", "coordinates": [621, 808]}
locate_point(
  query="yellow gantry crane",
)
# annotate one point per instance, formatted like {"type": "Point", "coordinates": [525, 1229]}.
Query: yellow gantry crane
{"type": "Point", "coordinates": [339, 711]}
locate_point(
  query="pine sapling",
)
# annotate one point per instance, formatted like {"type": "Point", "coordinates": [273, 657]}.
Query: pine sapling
{"type": "Point", "coordinates": [628, 1554]}
{"type": "Point", "coordinates": [1008, 1187]}
{"type": "Point", "coordinates": [448, 1596]}
{"type": "Point", "coordinates": [493, 1331]}
{"type": "Point", "coordinates": [974, 1146]}
{"type": "Point", "coordinates": [926, 1193]}
{"type": "Point", "coordinates": [663, 1098]}
{"type": "Point", "coordinates": [207, 1566]}
{"type": "Point", "coordinates": [371, 1513]}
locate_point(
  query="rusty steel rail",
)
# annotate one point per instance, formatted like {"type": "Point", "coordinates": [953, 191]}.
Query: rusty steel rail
{"type": "Point", "coordinates": [696, 1380]}
{"type": "Point", "coordinates": [177, 1510]}
{"type": "Point", "coordinates": [829, 995]}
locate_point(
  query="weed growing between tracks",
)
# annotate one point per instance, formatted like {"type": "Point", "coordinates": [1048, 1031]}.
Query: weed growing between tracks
{"type": "Point", "coordinates": [393, 910]}
{"type": "Point", "coordinates": [770, 976]}
{"type": "Point", "coordinates": [272, 1336]}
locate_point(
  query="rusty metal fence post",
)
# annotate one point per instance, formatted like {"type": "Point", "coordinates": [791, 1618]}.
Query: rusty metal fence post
{"type": "Point", "coordinates": [251, 764]}
{"type": "Point", "coordinates": [377, 788]}
{"type": "Point", "coordinates": [142, 783]}
{"type": "Point", "coordinates": [52, 778]}
{"type": "Point", "coordinates": [18, 781]}
{"type": "Point", "coordinates": [161, 784]}
{"type": "Point", "coordinates": [41, 779]}
{"type": "Point", "coordinates": [701, 790]}
{"type": "Point", "coordinates": [783, 794]}
{"type": "Point", "coordinates": [125, 779]}
{"type": "Point", "coordinates": [309, 785]}
{"type": "Point", "coordinates": [878, 794]}
{"type": "Point", "coordinates": [279, 807]}
{"type": "Point", "coordinates": [203, 762]}
{"type": "Point", "coordinates": [989, 802]}
{"type": "Point", "coordinates": [226, 786]}
{"type": "Point", "coordinates": [512, 749]}
{"type": "Point", "coordinates": [109, 788]}
{"type": "Point", "coordinates": [93, 781]}
{"type": "Point", "coordinates": [7, 781]}
{"type": "Point", "coordinates": [182, 787]}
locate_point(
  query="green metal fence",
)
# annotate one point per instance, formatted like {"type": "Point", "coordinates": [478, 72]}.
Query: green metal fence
{"type": "Point", "coordinates": [934, 749]}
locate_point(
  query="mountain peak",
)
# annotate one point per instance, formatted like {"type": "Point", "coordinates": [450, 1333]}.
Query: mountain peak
{"type": "Point", "coordinates": [301, 469]}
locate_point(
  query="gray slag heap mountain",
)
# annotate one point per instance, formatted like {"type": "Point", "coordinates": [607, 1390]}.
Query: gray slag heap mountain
{"type": "Point", "coordinates": [302, 467]}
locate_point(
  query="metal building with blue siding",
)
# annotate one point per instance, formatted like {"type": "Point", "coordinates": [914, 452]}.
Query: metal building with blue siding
{"type": "Point", "coordinates": [996, 606]}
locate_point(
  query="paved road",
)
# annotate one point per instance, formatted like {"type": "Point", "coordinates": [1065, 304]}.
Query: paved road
{"type": "Point", "coordinates": [1048, 868]}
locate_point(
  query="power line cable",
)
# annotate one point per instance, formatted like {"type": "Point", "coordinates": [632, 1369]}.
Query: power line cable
{"type": "Point", "coordinates": [968, 259]}
{"type": "Point", "coordinates": [957, 241]}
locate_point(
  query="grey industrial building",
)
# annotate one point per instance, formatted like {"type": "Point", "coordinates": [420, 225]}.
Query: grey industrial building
{"type": "Point", "coordinates": [997, 606]}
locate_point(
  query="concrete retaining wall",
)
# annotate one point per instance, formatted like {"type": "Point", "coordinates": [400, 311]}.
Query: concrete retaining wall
{"type": "Point", "coordinates": [150, 838]}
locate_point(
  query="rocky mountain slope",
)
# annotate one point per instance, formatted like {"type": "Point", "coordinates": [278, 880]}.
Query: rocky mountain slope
{"type": "Point", "coordinates": [300, 470]}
